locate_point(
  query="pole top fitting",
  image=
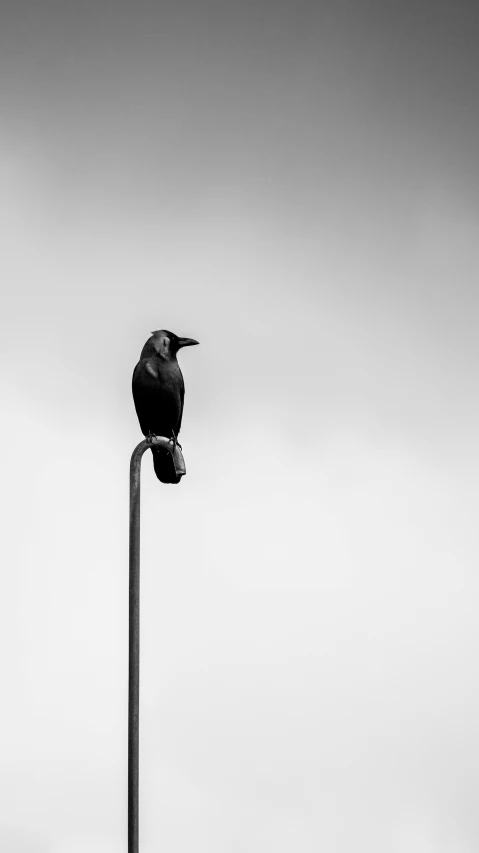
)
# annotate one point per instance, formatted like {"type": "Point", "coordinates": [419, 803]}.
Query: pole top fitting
{"type": "Point", "coordinates": [174, 448]}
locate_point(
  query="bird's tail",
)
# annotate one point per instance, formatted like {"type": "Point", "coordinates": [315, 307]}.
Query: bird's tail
{"type": "Point", "coordinates": [164, 467]}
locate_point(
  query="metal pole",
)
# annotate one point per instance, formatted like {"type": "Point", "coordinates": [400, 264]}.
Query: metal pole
{"type": "Point", "coordinates": [134, 627]}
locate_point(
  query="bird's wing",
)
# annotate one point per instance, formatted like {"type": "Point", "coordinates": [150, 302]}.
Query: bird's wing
{"type": "Point", "coordinates": [158, 400]}
{"type": "Point", "coordinates": [140, 398]}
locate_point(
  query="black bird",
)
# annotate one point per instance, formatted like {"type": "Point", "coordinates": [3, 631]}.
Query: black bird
{"type": "Point", "coordinates": [159, 393]}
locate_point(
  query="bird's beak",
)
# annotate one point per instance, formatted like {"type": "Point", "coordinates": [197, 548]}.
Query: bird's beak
{"type": "Point", "coordinates": [186, 342]}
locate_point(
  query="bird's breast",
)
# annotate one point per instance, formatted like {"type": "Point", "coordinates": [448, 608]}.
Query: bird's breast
{"type": "Point", "coordinates": [158, 395]}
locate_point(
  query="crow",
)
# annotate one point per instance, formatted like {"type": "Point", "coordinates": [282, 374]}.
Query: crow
{"type": "Point", "coordinates": [159, 393]}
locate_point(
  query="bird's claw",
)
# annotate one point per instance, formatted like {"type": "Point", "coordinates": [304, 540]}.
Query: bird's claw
{"type": "Point", "coordinates": [173, 440]}
{"type": "Point", "coordinates": [176, 443]}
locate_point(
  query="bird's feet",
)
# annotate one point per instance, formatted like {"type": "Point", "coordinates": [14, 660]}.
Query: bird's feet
{"type": "Point", "coordinates": [176, 443]}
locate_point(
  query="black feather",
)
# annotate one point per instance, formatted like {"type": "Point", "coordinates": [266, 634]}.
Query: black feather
{"type": "Point", "coordinates": [158, 393]}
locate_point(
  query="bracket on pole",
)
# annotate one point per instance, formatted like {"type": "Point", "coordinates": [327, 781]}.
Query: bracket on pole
{"type": "Point", "coordinates": [134, 624]}
{"type": "Point", "coordinates": [174, 448]}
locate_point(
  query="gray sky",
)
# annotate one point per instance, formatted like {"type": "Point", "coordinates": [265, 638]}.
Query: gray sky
{"type": "Point", "coordinates": [296, 186]}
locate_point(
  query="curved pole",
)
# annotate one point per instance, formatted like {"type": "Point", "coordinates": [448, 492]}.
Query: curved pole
{"type": "Point", "coordinates": [134, 626]}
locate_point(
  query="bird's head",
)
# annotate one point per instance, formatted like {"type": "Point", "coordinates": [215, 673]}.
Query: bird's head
{"type": "Point", "coordinates": [165, 344]}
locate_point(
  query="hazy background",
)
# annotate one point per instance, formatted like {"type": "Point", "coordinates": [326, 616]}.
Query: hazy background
{"type": "Point", "coordinates": [297, 186]}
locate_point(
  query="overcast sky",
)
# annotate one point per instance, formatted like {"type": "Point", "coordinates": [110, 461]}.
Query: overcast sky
{"type": "Point", "coordinates": [295, 185]}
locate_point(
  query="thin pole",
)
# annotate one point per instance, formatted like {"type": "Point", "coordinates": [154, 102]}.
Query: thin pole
{"type": "Point", "coordinates": [134, 628]}
{"type": "Point", "coordinates": [134, 650]}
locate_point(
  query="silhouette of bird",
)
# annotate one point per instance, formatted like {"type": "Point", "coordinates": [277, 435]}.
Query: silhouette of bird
{"type": "Point", "coordinates": [159, 393]}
